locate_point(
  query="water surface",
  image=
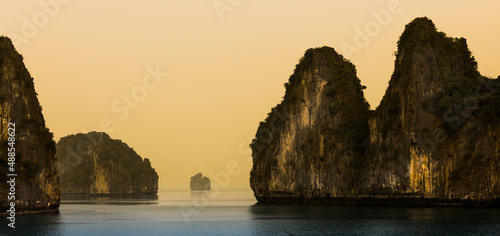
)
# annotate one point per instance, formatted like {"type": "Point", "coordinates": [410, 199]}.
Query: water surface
{"type": "Point", "coordinates": [236, 213]}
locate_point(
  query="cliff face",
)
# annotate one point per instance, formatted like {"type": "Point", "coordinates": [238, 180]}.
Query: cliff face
{"type": "Point", "coordinates": [435, 132]}
{"type": "Point", "coordinates": [199, 182]}
{"type": "Point", "coordinates": [432, 140]}
{"type": "Point", "coordinates": [316, 137]}
{"type": "Point", "coordinates": [37, 185]}
{"type": "Point", "coordinates": [95, 164]}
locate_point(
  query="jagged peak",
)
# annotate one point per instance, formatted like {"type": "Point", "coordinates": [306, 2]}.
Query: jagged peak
{"type": "Point", "coordinates": [422, 33]}
{"type": "Point", "coordinates": [4, 40]}
{"type": "Point", "coordinates": [325, 50]}
{"type": "Point", "coordinates": [7, 50]}
{"type": "Point", "coordinates": [318, 55]}
{"type": "Point", "coordinates": [420, 30]}
{"type": "Point", "coordinates": [420, 23]}
{"type": "Point", "coordinates": [315, 57]}
{"type": "Point", "coordinates": [6, 44]}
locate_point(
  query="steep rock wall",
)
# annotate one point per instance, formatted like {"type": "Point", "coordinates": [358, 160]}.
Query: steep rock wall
{"type": "Point", "coordinates": [432, 140]}
{"type": "Point", "coordinates": [316, 135]}
{"type": "Point", "coordinates": [37, 185]}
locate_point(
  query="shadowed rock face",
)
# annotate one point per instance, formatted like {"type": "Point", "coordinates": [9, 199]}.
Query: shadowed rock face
{"type": "Point", "coordinates": [95, 164]}
{"type": "Point", "coordinates": [37, 185]}
{"type": "Point", "coordinates": [200, 182]}
{"type": "Point", "coordinates": [432, 140]}
{"type": "Point", "coordinates": [316, 137]}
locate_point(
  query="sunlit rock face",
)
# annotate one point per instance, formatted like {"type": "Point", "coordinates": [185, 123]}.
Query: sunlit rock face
{"type": "Point", "coordinates": [36, 183]}
{"type": "Point", "coordinates": [95, 164]}
{"type": "Point", "coordinates": [432, 140]}
{"type": "Point", "coordinates": [312, 144]}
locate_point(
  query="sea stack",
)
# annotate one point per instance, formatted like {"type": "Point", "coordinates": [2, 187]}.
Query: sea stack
{"type": "Point", "coordinates": [23, 131]}
{"type": "Point", "coordinates": [96, 164]}
{"type": "Point", "coordinates": [433, 140]}
{"type": "Point", "coordinates": [200, 182]}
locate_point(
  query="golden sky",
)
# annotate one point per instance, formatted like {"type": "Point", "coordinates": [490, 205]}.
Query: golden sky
{"type": "Point", "coordinates": [100, 64]}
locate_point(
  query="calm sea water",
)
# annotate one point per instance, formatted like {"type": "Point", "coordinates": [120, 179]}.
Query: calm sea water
{"type": "Point", "coordinates": [235, 213]}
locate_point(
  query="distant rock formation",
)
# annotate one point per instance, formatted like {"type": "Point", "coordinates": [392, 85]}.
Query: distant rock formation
{"type": "Point", "coordinates": [36, 183]}
{"type": "Point", "coordinates": [433, 140]}
{"type": "Point", "coordinates": [95, 164]}
{"type": "Point", "coordinates": [200, 182]}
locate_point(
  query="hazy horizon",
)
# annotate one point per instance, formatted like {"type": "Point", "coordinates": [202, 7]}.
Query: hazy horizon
{"type": "Point", "coordinates": [104, 64]}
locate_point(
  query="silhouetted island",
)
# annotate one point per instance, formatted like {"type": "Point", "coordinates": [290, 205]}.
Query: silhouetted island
{"type": "Point", "coordinates": [200, 182]}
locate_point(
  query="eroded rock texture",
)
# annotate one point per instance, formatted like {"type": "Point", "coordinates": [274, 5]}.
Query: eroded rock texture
{"type": "Point", "coordinates": [37, 184]}
{"type": "Point", "coordinates": [95, 164]}
{"type": "Point", "coordinates": [432, 140]}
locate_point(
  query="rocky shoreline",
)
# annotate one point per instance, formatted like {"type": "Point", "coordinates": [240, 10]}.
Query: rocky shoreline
{"type": "Point", "coordinates": [385, 201]}
{"type": "Point", "coordinates": [30, 212]}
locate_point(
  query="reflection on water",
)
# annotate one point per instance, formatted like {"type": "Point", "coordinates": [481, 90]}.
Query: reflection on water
{"type": "Point", "coordinates": [352, 220]}
{"type": "Point", "coordinates": [110, 200]}
{"type": "Point", "coordinates": [201, 197]}
{"type": "Point", "coordinates": [48, 224]}
{"type": "Point", "coordinates": [236, 213]}
{"type": "Point", "coordinates": [206, 198]}
{"type": "Point", "coordinates": [112, 197]}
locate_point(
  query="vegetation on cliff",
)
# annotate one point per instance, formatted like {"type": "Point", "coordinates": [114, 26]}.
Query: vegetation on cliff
{"type": "Point", "coordinates": [432, 140]}
{"type": "Point", "coordinates": [322, 123]}
{"type": "Point", "coordinates": [434, 113]}
{"type": "Point", "coordinates": [37, 185]}
{"type": "Point", "coordinates": [93, 163]}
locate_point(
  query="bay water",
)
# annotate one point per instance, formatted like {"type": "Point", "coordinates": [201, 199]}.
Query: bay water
{"type": "Point", "coordinates": [236, 212]}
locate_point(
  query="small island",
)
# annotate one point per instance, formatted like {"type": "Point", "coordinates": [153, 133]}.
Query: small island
{"type": "Point", "coordinates": [200, 182]}
{"type": "Point", "coordinates": [95, 164]}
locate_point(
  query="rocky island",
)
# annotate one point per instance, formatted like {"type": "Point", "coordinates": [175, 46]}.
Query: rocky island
{"type": "Point", "coordinates": [433, 140]}
{"type": "Point", "coordinates": [94, 164]}
{"type": "Point", "coordinates": [200, 182]}
{"type": "Point", "coordinates": [33, 186]}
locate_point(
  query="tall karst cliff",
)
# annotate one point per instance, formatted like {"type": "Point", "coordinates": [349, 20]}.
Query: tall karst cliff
{"type": "Point", "coordinates": [436, 132]}
{"type": "Point", "coordinates": [36, 183]}
{"type": "Point", "coordinates": [316, 137]}
{"type": "Point", "coordinates": [95, 164]}
{"type": "Point", "coordinates": [432, 140]}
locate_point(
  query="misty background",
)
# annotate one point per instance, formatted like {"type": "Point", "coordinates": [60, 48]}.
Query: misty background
{"type": "Point", "coordinates": [95, 65]}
